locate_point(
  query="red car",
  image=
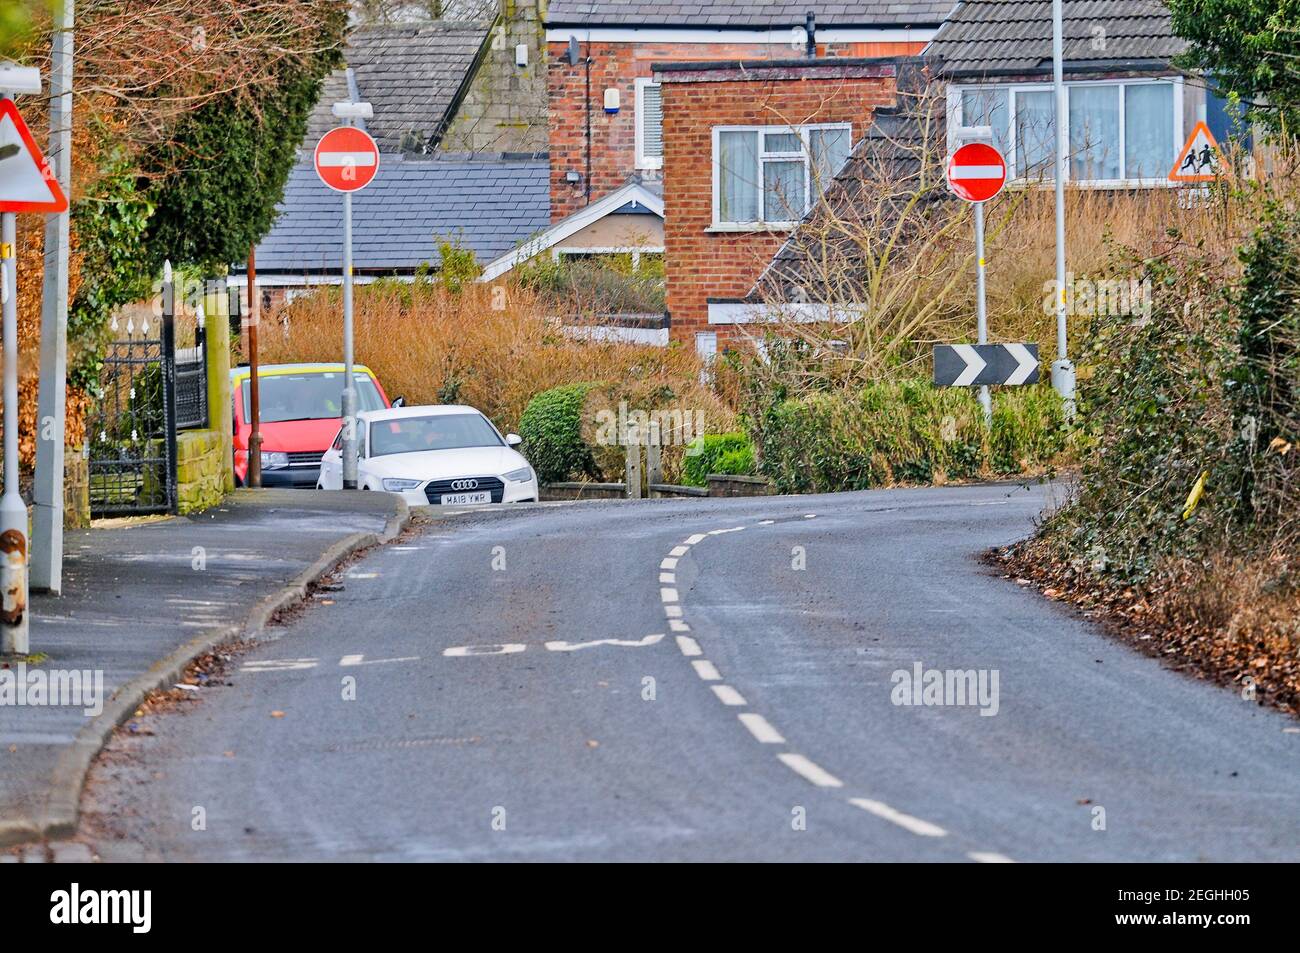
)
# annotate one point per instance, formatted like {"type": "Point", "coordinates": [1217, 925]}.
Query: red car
{"type": "Point", "coordinates": [301, 411]}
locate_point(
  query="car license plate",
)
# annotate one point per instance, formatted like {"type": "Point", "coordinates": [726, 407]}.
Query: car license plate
{"type": "Point", "coordinates": [459, 499]}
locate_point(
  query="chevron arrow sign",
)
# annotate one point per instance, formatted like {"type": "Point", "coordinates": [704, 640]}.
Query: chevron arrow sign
{"type": "Point", "coordinates": [970, 365]}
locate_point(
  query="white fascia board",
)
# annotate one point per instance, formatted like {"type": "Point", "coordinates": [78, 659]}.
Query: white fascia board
{"type": "Point", "coordinates": [745, 312]}
{"type": "Point", "coordinates": [778, 37]}
{"type": "Point", "coordinates": [308, 280]}
{"type": "Point", "coordinates": [632, 192]}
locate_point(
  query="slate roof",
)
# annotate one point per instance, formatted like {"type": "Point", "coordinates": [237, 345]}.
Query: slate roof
{"type": "Point", "coordinates": [489, 205]}
{"type": "Point", "coordinates": [745, 14]}
{"type": "Point", "coordinates": [410, 74]}
{"type": "Point", "coordinates": [1002, 37]}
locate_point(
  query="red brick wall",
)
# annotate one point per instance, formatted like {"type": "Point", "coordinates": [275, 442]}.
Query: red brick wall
{"type": "Point", "coordinates": [613, 138]}
{"type": "Point", "coordinates": [702, 264]}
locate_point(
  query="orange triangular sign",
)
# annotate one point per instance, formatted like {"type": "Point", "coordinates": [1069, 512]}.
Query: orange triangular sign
{"type": "Point", "coordinates": [27, 184]}
{"type": "Point", "coordinates": [1200, 160]}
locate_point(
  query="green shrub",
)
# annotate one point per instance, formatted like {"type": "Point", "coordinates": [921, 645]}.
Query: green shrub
{"type": "Point", "coordinates": [551, 428]}
{"type": "Point", "coordinates": [905, 432]}
{"type": "Point", "coordinates": [712, 452]}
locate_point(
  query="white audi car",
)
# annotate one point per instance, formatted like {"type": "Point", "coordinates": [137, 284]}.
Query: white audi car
{"type": "Point", "coordinates": [442, 454]}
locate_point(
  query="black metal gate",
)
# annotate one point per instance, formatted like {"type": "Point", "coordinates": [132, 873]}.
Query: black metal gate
{"type": "Point", "coordinates": [132, 432]}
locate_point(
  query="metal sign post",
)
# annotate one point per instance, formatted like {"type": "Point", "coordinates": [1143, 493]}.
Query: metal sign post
{"type": "Point", "coordinates": [976, 173]}
{"type": "Point", "coordinates": [26, 185]}
{"type": "Point", "coordinates": [346, 161]}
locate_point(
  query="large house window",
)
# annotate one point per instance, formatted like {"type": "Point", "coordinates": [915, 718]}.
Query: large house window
{"type": "Point", "coordinates": [649, 125]}
{"type": "Point", "coordinates": [769, 175]}
{"type": "Point", "coordinates": [1120, 133]}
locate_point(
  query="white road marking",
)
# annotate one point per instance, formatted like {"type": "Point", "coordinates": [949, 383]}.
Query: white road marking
{"type": "Point", "coordinates": [705, 669]}
{"type": "Point", "coordinates": [905, 821]}
{"type": "Point", "coordinates": [760, 728]}
{"type": "Point", "coordinates": [810, 516]}
{"type": "Point", "coordinates": [766, 522]}
{"type": "Point", "coordinates": [689, 646]}
{"type": "Point", "coordinates": [462, 651]}
{"type": "Point", "coordinates": [279, 665]}
{"type": "Point", "coordinates": [669, 563]}
{"type": "Point", "coordinates": [697, 538]}
{"type": "Point", "coordinates": [677, 625]}
{"type": "Point", "coordinates": [679, 551]}
{"type": "Point", "coordinates": [728, 695]}
{"type": "Point", "coordinates": [809, 771]}
{"type": "Point", "coordinates": [362, 575]}
{"type": "Point", "coordinates": [560, 646]}
{"type": "Point", "coordinates": [673, 611]}
{"type": "Point", "coordinates": [668, 594]}
{"type": "Point", "coordinates": [362, 660]}
{"type": "Point", "coordinates": [990, 503]}
{"type": "Point", "coordinates": [668, 577]}
{"type": "Point", "coordinates": [719, 532]}
{"type": "Point", "coordinates": [988, 857]}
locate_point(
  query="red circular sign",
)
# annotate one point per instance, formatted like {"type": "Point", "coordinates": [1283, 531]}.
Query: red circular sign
{"type": "Point", "coordinates": [976, 172]}
{"type": "Point", "coordinates": [346, 159]}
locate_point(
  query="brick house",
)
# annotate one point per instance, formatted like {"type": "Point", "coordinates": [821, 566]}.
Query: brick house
{"type": "Point", "coordinates": [605, 101]}
{"type": "Point", "coordinates": [747, 149]}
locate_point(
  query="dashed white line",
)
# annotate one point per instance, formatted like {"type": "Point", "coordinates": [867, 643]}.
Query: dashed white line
{"type": "Point", "coordinates": [679, 551]}
{"type": "Point", "coordinates": [810, 771]}
{"type": "Point", "coordinates": [673, 611]}
{"type": "Point", "coordinates": [989, 857]}
{"type": "Point", "coordinates": [668, 563]}
{"type": "Point", "coordinates": [668, 577]}
{"type": "Point", "coordinates": [689, 646]}
{"type": "Point", "coordinates": [668, 594]}
{"type": "Point", "coordinates": [810, 516]}
{"type": "Point", "coordinates": [719, 532]}
{"type": "Point", "coordinates": [905, 821]}
{"type": "Point", "coordinates": [760, 728]}
{"type": "Point", "coordinates": [728, 695]}
{"type": "Point", "coordinates": [462, 651]}
{"type": "Point", "coordinates": [697, 538]}
{"type": "Point", "coordinates": [677, 625]}
{"type": "Point", "coordinates": [706, 670]}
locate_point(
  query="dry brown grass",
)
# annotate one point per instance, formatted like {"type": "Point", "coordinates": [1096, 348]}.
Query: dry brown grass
{"type": "Point", "coordinates": [432, 346]}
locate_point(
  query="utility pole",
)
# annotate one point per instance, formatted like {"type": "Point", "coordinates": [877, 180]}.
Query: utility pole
{"type": "Point", "coordinates": [254, 471]}
{"type": "Point", "coordinates": [1062, 368]}
{"type": "Point", "coordinates": [47, 489]}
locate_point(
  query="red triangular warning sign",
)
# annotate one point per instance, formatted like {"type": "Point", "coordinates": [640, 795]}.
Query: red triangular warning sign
{"type": "Point", "coordinates": [27, 183]}
{"type": "Point", "coordinates": [1200, 160]}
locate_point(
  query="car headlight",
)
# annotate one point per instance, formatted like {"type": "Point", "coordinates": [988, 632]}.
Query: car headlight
{"type": "Point", "coordinates": [397, 485]}
{"type": "Point", "coordinates": [274, 460]}
{"type": "Point", "coordinates": [520, 476]}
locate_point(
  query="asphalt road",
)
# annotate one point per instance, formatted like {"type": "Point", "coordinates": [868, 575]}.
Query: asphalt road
{"type": "Point", "coordinates": [747, 709]}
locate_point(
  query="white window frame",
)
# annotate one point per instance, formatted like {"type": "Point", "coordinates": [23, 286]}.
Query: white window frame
{"type": "Point", "coordinates": [957, 128]}
{"type": "Point", "coordinates": [804, 154]}
{"type": "Point", "coordinates": [644, 161]}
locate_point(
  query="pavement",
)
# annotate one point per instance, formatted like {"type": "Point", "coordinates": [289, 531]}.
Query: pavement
{"type": "Point", "coordinates": [143, 598]}
{"type": "Point", "coordinates": [719, 679]}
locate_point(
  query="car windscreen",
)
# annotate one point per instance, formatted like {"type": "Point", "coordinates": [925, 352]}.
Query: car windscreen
{"type": "Point", "coordinates": [439, 432]}
{"type": "Point", "coordinates": [309, 395]}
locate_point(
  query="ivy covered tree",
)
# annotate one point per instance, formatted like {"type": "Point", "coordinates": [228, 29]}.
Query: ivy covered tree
{"type": "Point", "coordinates": [219, 176]}
{"type": "Point", "coordinates": [1252, 50]}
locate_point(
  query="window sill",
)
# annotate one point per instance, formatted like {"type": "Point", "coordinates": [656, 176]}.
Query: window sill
{"type": "Point", "coordinates": [725, 228]}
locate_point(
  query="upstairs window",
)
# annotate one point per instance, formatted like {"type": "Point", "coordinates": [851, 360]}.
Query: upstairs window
{"type": "Point", "coordinates": [1119, 133]}
{"type": "Point", "coordinates": [770, 175]}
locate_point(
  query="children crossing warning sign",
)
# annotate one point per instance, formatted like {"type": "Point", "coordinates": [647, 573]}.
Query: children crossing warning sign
{"type": "Point", "coordinates": [1200, 160]}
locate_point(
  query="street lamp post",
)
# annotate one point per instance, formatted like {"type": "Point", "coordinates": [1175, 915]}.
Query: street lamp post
{"type": "Point", "coordinates": [1062, 368]}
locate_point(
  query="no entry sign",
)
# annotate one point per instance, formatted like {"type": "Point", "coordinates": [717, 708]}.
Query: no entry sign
{"type": "Point", "coordinates": [347, 159]}
{"type": "Point", "coordinates": [976, 172]}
